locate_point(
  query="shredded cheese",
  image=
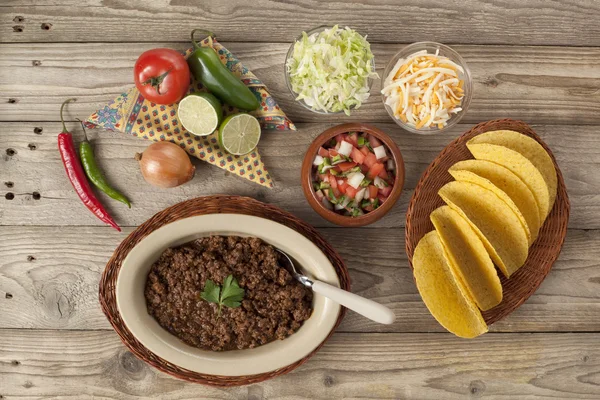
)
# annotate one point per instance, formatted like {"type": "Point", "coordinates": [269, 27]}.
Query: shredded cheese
{"type": "Point", "coordinates": [424, 90]}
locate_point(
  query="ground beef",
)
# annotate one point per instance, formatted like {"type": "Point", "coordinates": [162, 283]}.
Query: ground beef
{"type": "Point", "coordinates": [274, 306]}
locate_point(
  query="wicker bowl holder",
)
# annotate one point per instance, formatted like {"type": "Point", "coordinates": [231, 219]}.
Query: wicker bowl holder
{"type": "Point", "coordinates": [190, 208]}
{"type": "Point", "coordinates": [542, 253]}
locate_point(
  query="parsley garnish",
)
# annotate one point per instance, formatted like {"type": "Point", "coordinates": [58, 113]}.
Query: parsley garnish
{"type": "Point", "coordinates": [230, 295]}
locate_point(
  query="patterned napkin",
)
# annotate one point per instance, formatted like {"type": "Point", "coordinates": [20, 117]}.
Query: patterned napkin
{"type": "Point", "coordinates": [131, 113]}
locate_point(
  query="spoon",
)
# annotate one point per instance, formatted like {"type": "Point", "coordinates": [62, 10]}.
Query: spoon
{"type": "Point", "coordinates": [365, 307]}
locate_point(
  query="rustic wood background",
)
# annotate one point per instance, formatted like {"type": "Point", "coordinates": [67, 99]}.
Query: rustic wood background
{"type": "Point", "coordinates": [536, 60]}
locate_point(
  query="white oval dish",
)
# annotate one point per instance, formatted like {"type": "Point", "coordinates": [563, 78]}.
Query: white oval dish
{"type": "Point", "coordinates": [278, 354]}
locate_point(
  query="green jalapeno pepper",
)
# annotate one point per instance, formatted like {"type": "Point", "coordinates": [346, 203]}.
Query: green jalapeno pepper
{"type": "Point", "coordinates": [86, 153]}
{"type": "Point", "coordinates": [207, 68]}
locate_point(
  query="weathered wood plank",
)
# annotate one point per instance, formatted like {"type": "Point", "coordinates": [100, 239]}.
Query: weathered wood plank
{"type": "Point", "coordinates": [546, 85]}
{"type": "Point", "coordinates": [51, 277]}
{"type": "Point", "coordinates": [58, 364]}
{"type": "Point", "coordinates": [473, 21]}
{"type": "Point", "coordinates": [40, 171]}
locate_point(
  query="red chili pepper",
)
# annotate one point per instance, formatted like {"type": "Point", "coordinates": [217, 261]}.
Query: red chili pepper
{"type": "Point", "coordinates": [77, 176]}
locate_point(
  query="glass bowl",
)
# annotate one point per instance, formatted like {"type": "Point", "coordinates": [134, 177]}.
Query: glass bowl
{"type": "Point", "coordinates": [287, 75]}
{"type": "Point", "coordinates": [445, 51]}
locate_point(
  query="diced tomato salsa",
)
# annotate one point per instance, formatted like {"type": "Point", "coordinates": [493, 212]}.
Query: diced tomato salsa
{"type": "Point", "coordinates": [349, 178]}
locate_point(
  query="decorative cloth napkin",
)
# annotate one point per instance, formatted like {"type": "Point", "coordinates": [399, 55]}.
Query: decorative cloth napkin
{"type": "Point", "coordinates": [131, 113]}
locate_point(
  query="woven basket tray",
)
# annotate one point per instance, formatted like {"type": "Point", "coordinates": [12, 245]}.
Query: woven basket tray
{"type": "Point", "coordinates": [542, 253]}
{"type": "Point", "coordinates": [190, 208]}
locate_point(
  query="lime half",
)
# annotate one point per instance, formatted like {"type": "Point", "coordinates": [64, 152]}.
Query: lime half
{"type": "Point", "coordinates": [200, 113]}
{"type": "Point", "coordinates": [239, 134]}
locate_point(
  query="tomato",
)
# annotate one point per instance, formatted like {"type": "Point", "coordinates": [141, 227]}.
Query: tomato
{"type": "Point", "coordinates": [332, 181]}
{"type": "Point", "coordinates": [375, 170]}
{"type": "Point", "coordinates": [343, 186]}
{"type": "Point", "coordinates": [339, 137]}
{"type": "Point", "coordinates": [365, 150]}
{"type": "Point", "coordinates": [333, 153]}
{"type": "Point", "coordinates": [382, 199]}
{"type": "Point", "coordinates": [353, 139]}
{"type": "Point", "coordinates": [345, 166]}
{"type": "Point", "coordinates": [383, 174]}
{"type": "Point", "coordinates": [385, 191]}
{"type": "Point", "coordinates": [336, 192]}
{"type": "Point", "coordinates": [357, 156]}
{"type": "Point", "coordinates": [323, 152]}
{"type": "Point", "coordinates": [370, 160]}
{"type": "Point", "coordinates": [363, 168]}
{"type": "Point", "coordinates": [373, 191]}
{"type": "Point", "coordinates": [351, 192]}
{"type": "Point", "coordinates": [374, 142]}
{"type": "Point", "coordinates": [162, 76]}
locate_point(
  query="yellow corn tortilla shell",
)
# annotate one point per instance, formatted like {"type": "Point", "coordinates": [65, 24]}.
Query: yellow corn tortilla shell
{"type": "Point", "coordinates": [494, 222]}
{"type": "Point", "coordinates": [521, 167]}
{"type": "Point", "coordinates": [508, 183]}
{"type": "Point", "coordinates": [530, 149]}
{"type": "Point", "coordinates": [468, 258]}
{"type": "Point", "coordinates": [468, 176]}
{"type": "Point", "coordinates": [442, 292]}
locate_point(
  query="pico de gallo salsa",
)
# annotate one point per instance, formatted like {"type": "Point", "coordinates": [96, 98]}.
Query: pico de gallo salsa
{"type": "Point", "coordinates": [353, 174]}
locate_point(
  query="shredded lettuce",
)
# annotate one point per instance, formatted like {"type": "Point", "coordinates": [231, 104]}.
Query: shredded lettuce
{"type": "Point", "coordinates": [329, 70]}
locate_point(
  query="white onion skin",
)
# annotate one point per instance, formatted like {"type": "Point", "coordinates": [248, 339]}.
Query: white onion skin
{"type": "Point", "coordinates": [166, 165]}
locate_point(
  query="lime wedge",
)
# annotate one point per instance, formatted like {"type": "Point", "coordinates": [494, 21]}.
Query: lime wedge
{"type": "Point", "coordinates": [200, 113]}
{"type": "Point", "coordinates": [239, 134]}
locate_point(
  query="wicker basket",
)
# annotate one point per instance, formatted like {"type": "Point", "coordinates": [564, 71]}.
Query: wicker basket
{"type": "Point", "coordinates": [542, 253]}
{"type": "Point", "coordinates": [190, 208]}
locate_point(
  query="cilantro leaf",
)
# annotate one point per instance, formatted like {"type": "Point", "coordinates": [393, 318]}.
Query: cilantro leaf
{"type": "Point", "coordinates": [230, 296]}
{"type": "Point", "coordinates": [211, 292]}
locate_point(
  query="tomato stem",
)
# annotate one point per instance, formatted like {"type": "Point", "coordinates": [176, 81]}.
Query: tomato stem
{"type": "Point", "coordinates": [207, 33]}
{"type": "Point", "coordinates": [156, 81]}
{"type": "Point", "coordinates": [61, 114]}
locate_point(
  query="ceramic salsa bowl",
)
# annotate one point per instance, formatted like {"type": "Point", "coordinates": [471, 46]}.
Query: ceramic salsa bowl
{"type": "Point", "coordinates": [307, 175]}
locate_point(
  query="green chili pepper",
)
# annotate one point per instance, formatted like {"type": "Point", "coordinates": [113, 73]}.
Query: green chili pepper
{"type": "Point", "coordinates": [86, 153]}
{"type": "Point", "coordinates": [206, 67]}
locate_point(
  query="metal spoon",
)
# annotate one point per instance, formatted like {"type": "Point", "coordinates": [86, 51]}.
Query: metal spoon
{"type": "Point", "coordinates": [365, 307]}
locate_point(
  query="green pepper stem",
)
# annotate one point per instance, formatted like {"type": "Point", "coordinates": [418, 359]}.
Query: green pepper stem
{"type": "Point", "coordinates": [61, 114]}
{"type": "Point", "coordinates": [207, 33]}
{"type": "Point", "coordinates": [83, 127]}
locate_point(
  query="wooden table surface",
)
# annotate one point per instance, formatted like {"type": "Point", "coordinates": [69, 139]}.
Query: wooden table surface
{"type": "Point", "coordinates": [536, 60]}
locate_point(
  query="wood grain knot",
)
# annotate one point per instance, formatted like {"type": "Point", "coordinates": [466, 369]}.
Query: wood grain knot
{"type": "Point", "coordinates": [476, 388]}
{"type": "Point", "coordinates": [38, 130]}
{"type": "Point", "coordinates": [12, 101]}
{"type": "Point", "coordinates": [132, 365]}
{"type": "Point", "coordinates": [491, 82]}
{"type": "Point", "coordinates": [30, 258]}
{"type": "Point", "coordinates": [8, 296]}
{"type": "Point", "coordinates": [36, 63]}
{"type": "Point", "coordinates": [9, 184]}
{"type": "Point", "coordinates": [36, 195]}
{"type": "Point", "coordinates": [18, 28]}
{"type": "Point", "coordinates": [15, 363]}
{"type": "Point", "coordinates": [46, 26]}
{"type": "Point", "coordinates": [11, 152]}
{"type": "Point", "coordinates": [9, 196]}
{"type": "Point", "coordinates": [32, 146]}
{"type": "Point", "coordinates": [19, 18]}
{"type": "Point", "coordinates": [28, 385]}
{"type": "Point", "coordinates": [328, 381]}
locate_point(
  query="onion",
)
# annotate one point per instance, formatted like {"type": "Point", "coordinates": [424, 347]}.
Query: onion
{"type": "Point", "coordinates": [166, 165]}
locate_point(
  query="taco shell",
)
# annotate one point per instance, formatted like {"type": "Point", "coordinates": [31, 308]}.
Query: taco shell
{"type": "Point", "coordinates": [508, 183]}
{"type": "Point", "coordinates": [495, 223]}
{"type": "Point", "coordinates": [442, 292]}
{"type": "Point", "coordinates": [530, 149]}
{"type": "Point", "coordinates": [520, 166]}
{"type": "Point", "coordinates": [468, 258]}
